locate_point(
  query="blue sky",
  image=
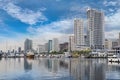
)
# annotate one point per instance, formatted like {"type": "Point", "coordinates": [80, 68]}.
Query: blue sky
{"type": "Point", "coordinates": [44, 19]}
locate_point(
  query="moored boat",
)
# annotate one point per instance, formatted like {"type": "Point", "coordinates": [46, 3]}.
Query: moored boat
{"type": "Point", "coordinates": [30, 54]}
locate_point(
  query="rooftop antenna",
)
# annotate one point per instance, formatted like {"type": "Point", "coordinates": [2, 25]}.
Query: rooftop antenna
{"type": "Point", "coordinates": [88, 8]}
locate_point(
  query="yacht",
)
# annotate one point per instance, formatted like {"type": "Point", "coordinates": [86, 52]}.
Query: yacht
{"type": "Point", "coordinates": [30, 54]}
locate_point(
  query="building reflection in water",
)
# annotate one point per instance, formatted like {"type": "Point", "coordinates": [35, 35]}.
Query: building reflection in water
{"type": "Point", "coordinates": [27, 64]}
{"type": "Point", "coordinates": [48, 64]}
{"type": "Point", "coordinates": [52, 65]}
{"type": "Point", "coordinates": [58, 69]}
{"type": "Point", "coordinates": [0, 58]}
{"type": "Point", "coordinates": [87, 69]}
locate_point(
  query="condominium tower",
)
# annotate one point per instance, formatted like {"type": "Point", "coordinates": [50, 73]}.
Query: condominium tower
{"type": "Point", "coordinates": [95, 29]}
{"type": "Point", "coordinates": [79, 32]}
{"type": "Point", "coordinates": [27, 45]}
{"type": "Point", "coordinates": [55, 45]}
{"type": "Point", "coordinates": [71, 43]}
{"type": "Point", "coordinates": [50, 46]}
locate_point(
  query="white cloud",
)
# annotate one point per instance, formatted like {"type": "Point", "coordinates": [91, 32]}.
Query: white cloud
{"type": "Point", "coordinates": [58, 26]}
{"type": "Point", "coordinates": [110, 3]}
{"type": "Point", "coordinates": [24, 15]}
{"type": "Point", "coordinates": [113, 20]}
{"type": "Point", "coordinates": [39, 35]}
{"type": "Point", "coordinates": [56, 29]}
{"type": "Point", "coordinates": [79, 8]}
{"type": "Point", "coordinates": [112, 34]}
{"type": "Point", "coordinates": [10, 44]}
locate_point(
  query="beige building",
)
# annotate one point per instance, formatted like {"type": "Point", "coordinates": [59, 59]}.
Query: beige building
{"type": "Point", "coordinates": [79, 32]}
{"type": "Point", "coordinates": [71, 43]}
{"type": "Point", "coordinates": [108, 44]}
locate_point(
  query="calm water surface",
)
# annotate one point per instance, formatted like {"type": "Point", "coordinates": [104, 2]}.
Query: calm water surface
{"type": "Point", "coordinates": [58, 69]}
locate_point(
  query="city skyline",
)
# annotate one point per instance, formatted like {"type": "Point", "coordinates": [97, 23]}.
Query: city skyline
{"type": "Point", "coordinates": [20, 20]}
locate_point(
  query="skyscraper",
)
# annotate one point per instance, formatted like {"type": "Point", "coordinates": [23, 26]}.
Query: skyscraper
{"type": "Point", "coordinates": [46, 47]}
{"type": "Point", "coordinates": [95, 29]}
{"type": "Point", "coordinates": [49, 46]}
{"type": "Point", "coordinates": [27, 45]}
{"type": "Point", "coordinates": [79, 32]}
{"type": "Point", "coordinates": [119, 39]}
{"type": "Point", "coordinates": [71, 43]}
{"type": "Point", "coordinates": [55, 45]}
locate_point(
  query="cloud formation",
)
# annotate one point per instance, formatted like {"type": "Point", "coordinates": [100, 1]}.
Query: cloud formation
{"type": "Point", "coordinates": [56, 29]}
{"type": "Point", "coordinates": [113, 20]}
{"type": "Point", "coordinates": [24, 15]}
{"type": "Point", "coordinates": [57, 20]}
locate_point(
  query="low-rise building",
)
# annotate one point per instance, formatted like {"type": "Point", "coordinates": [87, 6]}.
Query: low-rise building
{"type": "Point", "coordinates": [64, 46]}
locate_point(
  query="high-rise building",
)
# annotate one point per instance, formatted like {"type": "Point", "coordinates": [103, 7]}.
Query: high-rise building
{"type": "Point", "coordinates": [55, 45]}
{"type": "Point", "coordinates": [95, 30]}
{"type": "Point", "coordinates": [49, 46]}
{"type": "Point", "coordinates": [119, 38]}
{"type": "Point", "coordinates": [27, 45]}
{"type": "Point", "coordinates": [85, 40]}
{"type": "Point", "coordinates": [46, 47]}
{"type": "Point", "coordinates": [79, 32]}
{"type": "Point", "coordinates": [71, 43]}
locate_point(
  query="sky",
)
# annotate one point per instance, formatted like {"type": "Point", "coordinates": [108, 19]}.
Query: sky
{"type": "Point", "coordinates": [41, 20]}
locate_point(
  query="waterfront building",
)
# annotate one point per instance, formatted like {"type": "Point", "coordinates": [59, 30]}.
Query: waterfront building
{"type": "Point", "coordinates": [115, 43]}
{"type": "Point", "coordinates": [71, 43]}
{"type": "Point", "coordinates": [19, 50]}
{"type": "Point", "coordinates": [119, 39]}
{"type": "Point", "coordinates": [64, 47]}
{"type": "Point", "coordinates": [28, 45]}
{"type": "Point", "coordinates": [108, 44]}
{"type": "Point", "coordinates": [117, 50]}
{"type": "Point", "coordinates": [55, 45]}
{"type": "Point", "coordinates": [41, 48]}
{"type": "Point", "coordinates": [79, 32]}
{"type": "Point", "coordinates": [95, 29]}
{"type": "Point", "coordinates": [50, 46]}
{"type": "Point", "coordinates": [46, 47]}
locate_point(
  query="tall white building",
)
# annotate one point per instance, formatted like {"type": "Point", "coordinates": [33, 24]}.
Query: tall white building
{"type": "Point", "coordinates": [28, 45]}
{"type": "Point", "coordinates": [55, 45]}
{"type": "Point", "coordinates": [71, 43]}
{"type": "Point", "coordinates": [95, 29]}
{"type": "Point", "coordinates": [79, 32]}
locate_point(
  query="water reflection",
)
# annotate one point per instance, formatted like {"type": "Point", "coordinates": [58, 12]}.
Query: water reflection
{"type": "Point", "coordinates": [58, 69]}
{"type": "Point", "coordinates": [87, 70]}
{"type": "Point", "coordinates": [0, 58]}
{"type": "Point", "coordinates": [27, 65]}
